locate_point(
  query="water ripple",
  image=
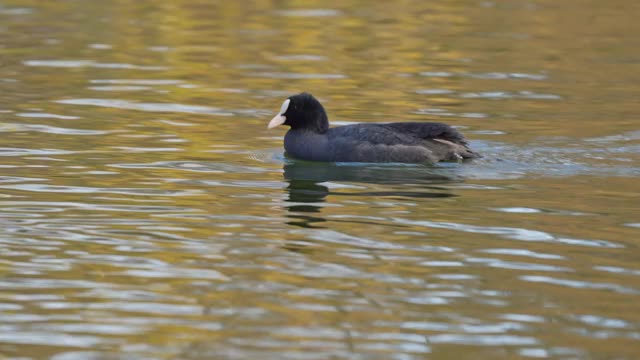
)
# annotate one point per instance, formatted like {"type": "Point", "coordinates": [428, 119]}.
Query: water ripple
{"type": "Point", "coordinates": [518, 210]}
{"type": "Point", "coordinates": [488, 76]}
{"type": "Point", "coordinates": [482, 340]}
{"type": "Point", "coordinates": [97, 190]}
{"type": "Point", "coordinates": [580, 284]}
{"type": "Point", "coordinates": [139, 307]}
{"type": "Point", "coordinates": [150, 82]}
{"type": "Point", "coordinates": [300, 57]}
{"type": "Point", "coordinates": [618, 270]}
{"type": "Point", "coordinates": [234, 183]}
{"type": "Point", "coordinates": [59, 206]}
{"type": "Point", "coordinates": [524, 252]}
{"type": "Point", "coordinates": [600, 321]}
{"type": "Point", "coordinates": [442, 112]}
{"type": "Point", "coordinates": [46, 116]}
{"type": "Point", "coordinates": [17, 179]}
{"type": "Point", "coordinates": [89, 63]}
{"type": "Point", "coordinates": [119, 88]}
{"type": "Point", "coordinates": [501, 76]}
{"type": "Point", "coordinates": [178, 274]}
{"type": "Point", "coordinates": [497, 95]}
{"type": "Point", "coordinates": [503, 161]}
{"type": "Point", "coordinates": [27, 152]}
{"type": "Point", "coordinates": [97, 46]}
{"type": "Point", "coordinates": [15, 10]}
{"type": "Point", "coordinates": [132, 149]}
{"type": "Point", "coordinates": [332, 236]}
{"type": "Point", "coordinates": [288, 75]}
{"type": "Point", "coordinates": [200, 166]}
{"type": "Point", "coordinates": [30, 283]}
{"type": "Point", "coordinates": [151, 107]}
{"type": "Point", "coordinates": [16, 127]}
{"type": "Point", "coordinates": [309, 13]}
{"type": "Point", "coordinates": [52, 338]}
{"type": "Point", "coordinates": [509, 232]}
{"type": "Point", "coordinates": [516, 265]}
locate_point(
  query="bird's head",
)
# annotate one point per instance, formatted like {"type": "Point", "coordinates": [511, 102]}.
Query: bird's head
{"type": "Point", "coordinates": [302, 112]}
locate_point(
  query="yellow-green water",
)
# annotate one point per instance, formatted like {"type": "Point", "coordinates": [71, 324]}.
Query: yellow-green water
{"type": "Point", "coordinates": [147, 213]}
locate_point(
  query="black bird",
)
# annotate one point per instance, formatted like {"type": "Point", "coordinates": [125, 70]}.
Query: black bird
{"type": "Point", "coordinates": [310, 137]}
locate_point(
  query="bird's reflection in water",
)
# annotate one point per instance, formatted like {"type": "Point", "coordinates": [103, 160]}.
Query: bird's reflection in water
{"type": "Point", "coordinates": [305, 197]}
{"type": "Point", "coordinates": [307, 192]}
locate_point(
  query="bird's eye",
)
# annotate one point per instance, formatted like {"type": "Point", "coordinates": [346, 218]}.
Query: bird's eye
{"type": "Point", "coordinates": [285, 106]}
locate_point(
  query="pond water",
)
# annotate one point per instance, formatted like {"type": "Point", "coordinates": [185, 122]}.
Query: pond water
{"type": "Point", "coordinates": [147, 213]}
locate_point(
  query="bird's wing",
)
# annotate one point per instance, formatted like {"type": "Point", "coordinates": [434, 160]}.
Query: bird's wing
{"type": "Point", "coordinates": [429, 131]}
{"type": "Point", "coordinates": [405, 133]}
{"type": "Point", "coordinates": [373, 134]}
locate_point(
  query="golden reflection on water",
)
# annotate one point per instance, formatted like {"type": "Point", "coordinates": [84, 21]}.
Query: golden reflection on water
{"type": "Point", "coordinates": [146, 210]}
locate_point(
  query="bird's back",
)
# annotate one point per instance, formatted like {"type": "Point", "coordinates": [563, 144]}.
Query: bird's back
{"type": "Point", "coordinates": [398, 142]}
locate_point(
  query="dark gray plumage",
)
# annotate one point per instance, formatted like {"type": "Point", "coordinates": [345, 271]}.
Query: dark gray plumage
{"type": "Point", "coordinates": [310, 138]}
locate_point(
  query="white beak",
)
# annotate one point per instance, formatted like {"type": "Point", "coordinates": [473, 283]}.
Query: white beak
{"type": "Point", "coordinates": [277, 121]}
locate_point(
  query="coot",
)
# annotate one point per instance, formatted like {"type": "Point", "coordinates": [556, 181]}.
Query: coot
{"type": "Point", "coordinates": [310, 137]}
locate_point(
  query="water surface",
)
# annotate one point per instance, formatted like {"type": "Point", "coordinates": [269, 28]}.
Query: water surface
{"type": "Point", "coordinates": [147, 212]}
